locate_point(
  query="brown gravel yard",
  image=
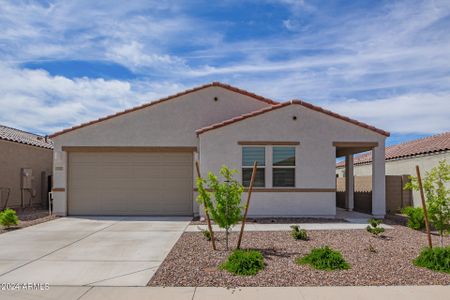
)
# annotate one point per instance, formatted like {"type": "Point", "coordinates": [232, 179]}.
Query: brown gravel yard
{"type": "Point", "coordinates": [29, 217]}
{"type": "Point", "coordinates": [282, 221]}
{"type": "Point", "coordinates": [193, 263]}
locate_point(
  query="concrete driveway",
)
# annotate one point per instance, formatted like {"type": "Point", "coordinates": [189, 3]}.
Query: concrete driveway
{"type": "Point", "coordinates": [94, 251]}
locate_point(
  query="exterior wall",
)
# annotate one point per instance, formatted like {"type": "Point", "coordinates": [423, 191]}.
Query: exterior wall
{"type": "Point", "coordinates": [15, 156]}
{"type": "Point", "coordinates": [315, 156]}
{"type": "Point", "coordinates": [406, 166]}
{"type": "Point", "coordinates": [171, 123]}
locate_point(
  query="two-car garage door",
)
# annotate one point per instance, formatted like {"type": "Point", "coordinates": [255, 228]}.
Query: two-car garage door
{"type": "Point", "coordinates": [130, 183]}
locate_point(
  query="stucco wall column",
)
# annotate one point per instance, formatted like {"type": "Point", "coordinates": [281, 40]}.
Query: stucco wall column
{"type": "Point", "coordinates": [378, 182]}
{"type": "Point", "coordinates": [349, 183]}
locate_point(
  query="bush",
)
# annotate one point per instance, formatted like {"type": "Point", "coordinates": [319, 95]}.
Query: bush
{"type": "Point", "coordinates": [416, 218]}
{"type": "Point", "coordinates": [324, 259]}
{"type": "Point", "coordinates": [206, 233]}
{"type": "Point", "coordinates": [298, 234]}
{"type": "Point", "coordinates": [244, 262]}
{"type": "Point", "coordinates": [8, 218]}
{"type": "Point", "coordinates": [436, 259]}
{"type": "Point", "coordinates": [374, 227]}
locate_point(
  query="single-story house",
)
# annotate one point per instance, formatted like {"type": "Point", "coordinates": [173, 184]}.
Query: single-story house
{"type": "Point", "coordinates": [141, 161]}
{"type": "Point", "coordinates": [25, 166]}
{"type": "Point", "coordinates": [403, 158]}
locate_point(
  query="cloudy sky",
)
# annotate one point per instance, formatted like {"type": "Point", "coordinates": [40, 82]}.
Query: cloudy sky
{"type": "Point", "coordinates": [386, 63]}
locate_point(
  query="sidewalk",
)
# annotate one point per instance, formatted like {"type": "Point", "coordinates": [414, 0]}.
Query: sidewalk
{"type": "Point", "coordinates": [286, 227]}
{"type": "Point", "coordinates": [259, 293]}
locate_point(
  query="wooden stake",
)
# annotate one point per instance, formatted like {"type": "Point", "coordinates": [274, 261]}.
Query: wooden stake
{"type": "Point", "coordinates": [208, 220]}
{"type": "Point", "coordinates": [425, 211]}
{"type": "Point", "coordinates": [249, 194]}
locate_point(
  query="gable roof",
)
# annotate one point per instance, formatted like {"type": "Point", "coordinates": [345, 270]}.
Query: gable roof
{"type": "Point", "coordinates": [292, 102]}
{"type": "Point", "coordinates": [432, 144]}
{"type": "Point", "coordinates": [212, 84]}
{"type": "Point", "coordinates": [23, 137]}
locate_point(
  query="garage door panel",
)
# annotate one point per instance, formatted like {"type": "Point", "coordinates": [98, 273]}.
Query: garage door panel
{"type": "Point", "coordinates": [130, 183]}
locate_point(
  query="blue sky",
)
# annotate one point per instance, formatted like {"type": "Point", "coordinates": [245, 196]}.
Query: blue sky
{"type": "Point", "coordinates": [386, 63]}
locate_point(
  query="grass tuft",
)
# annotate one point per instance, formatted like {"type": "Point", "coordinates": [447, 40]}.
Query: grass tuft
{"type": "Point", "coordinates": [436, 259]}
{"type": "Point", "coordinates": [244, 262]}
{"type": "Point", "coordinates": [324, 259]}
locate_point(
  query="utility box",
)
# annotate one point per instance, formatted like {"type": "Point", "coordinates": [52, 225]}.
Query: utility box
{"type": "Point", "coordinates": [26, 178]}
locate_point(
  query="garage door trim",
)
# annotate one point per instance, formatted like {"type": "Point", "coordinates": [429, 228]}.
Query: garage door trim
{"type": "Point", "coordinates": [127, 149]}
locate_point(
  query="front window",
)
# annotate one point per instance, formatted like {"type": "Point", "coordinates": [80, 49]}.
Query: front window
{"type": "Point", "coordinates": [249, 156]}
{"type": "Point", "coordinates": [283, 166]}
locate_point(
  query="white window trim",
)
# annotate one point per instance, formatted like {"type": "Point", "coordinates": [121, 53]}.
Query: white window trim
{"type": "Point", "coordinates": [258, 166]}
{"type": "Point", "coordinates": [283, 167]}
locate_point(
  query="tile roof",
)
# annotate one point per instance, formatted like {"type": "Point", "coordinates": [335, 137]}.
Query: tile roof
{"type": "Point", "coordinates": [296, 102]}
{"type": "Point", "coordinates": [435, 143]}
{"type": "Point", "coordinates": [23, 137]}
{"type": "Point", "coordinates": [218, 84]}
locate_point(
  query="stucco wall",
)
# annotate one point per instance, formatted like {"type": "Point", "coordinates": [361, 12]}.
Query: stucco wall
{"type": "Point", "coordinates": [15, 156]}
{"type": "Point", "coordinates": [406, 166]}
{"type": "Point", "coordinates": [171, 123]}
{"type": "Point", "coordinates": [315, 156]}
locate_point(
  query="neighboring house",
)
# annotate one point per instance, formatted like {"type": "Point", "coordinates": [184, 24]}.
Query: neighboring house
{"type": "Point", "coordinates": [402, 159]}
{"type": "Point", "coordinates": [141, 161]}
{"type": "Point", "coordinates": [25, 164]}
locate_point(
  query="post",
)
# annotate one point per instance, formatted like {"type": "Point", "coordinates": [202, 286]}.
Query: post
{"type": "Point", "coordinates": [349, 183]}
{"type": "Point", "coordinates": [378, 182]}
{"type": "Point", "coordinates": [425, 210]}
{"type": "Point", "coordinates": [249, 194]}
{"type": "Point", "coordinates": [208, 220]}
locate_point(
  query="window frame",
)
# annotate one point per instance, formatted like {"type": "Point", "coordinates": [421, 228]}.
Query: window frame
{"type": "Point", "coordinates": [273, 166]}
{"type": "Point", "coordinates": [269, 165]}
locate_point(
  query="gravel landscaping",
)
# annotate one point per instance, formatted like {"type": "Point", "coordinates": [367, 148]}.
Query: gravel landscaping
{"type": "Point", "coordinates": [29, 217]}
{"type": "Point", "coordinates": [192, 262]}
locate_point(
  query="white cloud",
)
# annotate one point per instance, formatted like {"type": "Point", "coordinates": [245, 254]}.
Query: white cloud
{"type": "Point", "coordinates": [36, 101]}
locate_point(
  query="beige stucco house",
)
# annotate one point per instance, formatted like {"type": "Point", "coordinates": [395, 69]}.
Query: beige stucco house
{"type": "Point", "coordinates": [402, 159]}
{"type": "Point", "coordinates": [25, 166]}
{"type": "Point", "coordinates": [141, 161]}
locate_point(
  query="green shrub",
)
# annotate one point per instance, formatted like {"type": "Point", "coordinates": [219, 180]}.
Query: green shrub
{"type": "Point", "coordinates": [416, 218]}
{"type": "Point", "coordinates": [324, 259]}
{"type": "Point", "coordinates": [206, 233]}
{"type": "Point", "coordinates": [298, 234]}
{"type": "Point", "coordinates": [244, 262]}
{"type": "Point", "coordinates": [437, 259]}
{"type": "Point", "coordinates": [8, 218]}
{"type": "Point", "coordinates": [374, 227]}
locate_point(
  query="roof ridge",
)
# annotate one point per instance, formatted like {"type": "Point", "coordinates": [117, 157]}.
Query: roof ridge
{"type": "Point", "coordinates": [170, 97]}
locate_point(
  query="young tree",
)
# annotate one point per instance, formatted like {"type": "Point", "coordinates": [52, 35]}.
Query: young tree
{"type": "Point", "coordinates": [226, 208]}
{"type": "Point", "coordinates": [435, 185]}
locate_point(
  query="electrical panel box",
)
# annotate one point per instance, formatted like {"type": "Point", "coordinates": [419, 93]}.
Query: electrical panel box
{"type": "Point", "coordinates": [26, 176]}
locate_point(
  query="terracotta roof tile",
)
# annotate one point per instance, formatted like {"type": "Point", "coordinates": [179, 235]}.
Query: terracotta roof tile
{"type": "Point", "coordinates": [23, 137]}
{"type": "Point", "coordinates": [431, 144]}
{"type": "Point", "coordinates": [218, 84]}
{"type": "Point", "coordinates": [297, 102]}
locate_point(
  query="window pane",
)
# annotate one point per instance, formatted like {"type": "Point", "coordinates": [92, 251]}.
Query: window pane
{"type": "Point", "coordinates": [284, 177]}
{"type": "Point", "coordinates": [259, 178]}
{"type": "Point", "coordinates": [284, 156]}
{"type": "Point", "coordinates": [252, 154]}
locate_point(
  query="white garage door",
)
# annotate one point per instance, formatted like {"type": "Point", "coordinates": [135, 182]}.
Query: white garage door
{"type": "Point", "coordinates": [129, 183]}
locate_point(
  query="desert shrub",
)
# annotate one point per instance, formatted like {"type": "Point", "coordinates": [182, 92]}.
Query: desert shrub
{"type": "Point", "coordinates": [8, 218]}
{"type": "Point", "coordinates": [374, 227]}
{"type": "Point", "coordinates": [437, 259]}
{"type": "Point", "coordinates": [244, 262]}
{"type": "Point", "coordinates": [298, 234]}
{"type": "Point", "coordinates": [416, 218]}
{"type": "Point", "coordinates": [206, 233]}
{"type": "Point", "coordinates": [324, 259]}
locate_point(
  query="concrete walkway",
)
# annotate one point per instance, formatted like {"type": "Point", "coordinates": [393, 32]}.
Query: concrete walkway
{"type": "Point", "coordinates": [259, 293]}
{"type": "Point", "coordinates": [97, 251]}
{"type": "Point", "coordinates": [286, 227]}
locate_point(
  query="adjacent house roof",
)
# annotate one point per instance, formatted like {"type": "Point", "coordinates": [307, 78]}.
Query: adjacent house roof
{"type": "Point", "coordinates": [432, 144]}
{"type": "Point", "coordinates": [23, 137]}
{"type": "Point", "coordinates": [295, 102]}
{"type": "Point", "coordinates": [217, 84]}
